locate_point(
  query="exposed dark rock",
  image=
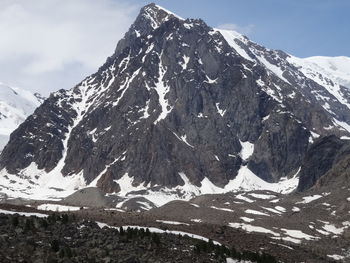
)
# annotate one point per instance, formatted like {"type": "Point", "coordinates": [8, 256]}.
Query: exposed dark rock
{"type": "Point", "coordinates": [328, 153]}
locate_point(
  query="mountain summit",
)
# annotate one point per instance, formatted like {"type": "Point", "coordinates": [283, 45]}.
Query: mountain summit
{"type": "Point", "coordinates": [179, 109]}
{"type": "Point", "coordinates": [15, 106]}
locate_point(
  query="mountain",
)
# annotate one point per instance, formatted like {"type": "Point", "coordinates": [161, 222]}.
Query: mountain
{"type": "Point", "coordinates": [179, 109]}
{"type": "Point", "coordinates": [336, 69]}
{"type": "Point", "coordinates": [15, 106]}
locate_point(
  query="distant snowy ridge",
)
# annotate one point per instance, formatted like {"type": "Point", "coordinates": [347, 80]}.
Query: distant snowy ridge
{"type": "Point", "coordinates": [335, 68]}
{"type": "Point", "coordinates": [331, 73]}
{"type": "Point", "coordinates": [15, 106]}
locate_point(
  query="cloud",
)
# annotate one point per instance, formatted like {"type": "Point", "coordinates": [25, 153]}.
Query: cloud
{"type": "Point", "coordinates": [245, 30]}
{"type": "Point", "coordinates": [43, 42]}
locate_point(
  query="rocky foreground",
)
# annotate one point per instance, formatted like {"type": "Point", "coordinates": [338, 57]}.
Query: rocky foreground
{"type": "Point", "coordinates": [64, 238]}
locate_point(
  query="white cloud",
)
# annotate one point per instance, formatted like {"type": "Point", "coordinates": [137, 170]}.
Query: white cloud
{"type": "Point", "coordinates": [245, 30]}
{"type": "Point", "coordinates": [43, 42]}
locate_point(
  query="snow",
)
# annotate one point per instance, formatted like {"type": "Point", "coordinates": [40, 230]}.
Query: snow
{"type": "Point", "coordinates": [114, 209]}
{"type": "Point", "coordinates": [231, 37]}
{"type": "Point", "coordinates": [211, 81]}
{"type": "Point", "coordinates": [280, 208]}
{"type": "Point", "coordinates": [94, 182]}
{"type": "Point", "coordinates": [15, 106]}
{"type": "Point", "coordinates": [335, 68]}
{"type": "Point", "coordinates": [172, 222]}
{"type": "Point", "coordinates": [272, 210]}
{"type": "Point", "coordinates": [220, 111]}
{"type": "Point", "coordinates": [44, 186]}
{"type": "Point", "coordinates": [34, 183]}
{"type": "Point", "coordinates": [145, 111]}
{"type": "Point", "coordinates": [244, 198]}
{"type": "Point", "coordinates": [145, 205]}
{"type": "Point", "coordinates": [273, 68]}
{"type": "Point", "coordinates": [162, 90]}
{"type": "Point", "coordinates": [295, 209]}
{"type": "Point", "coordinates": [38, 185]}
{"type": "Point", "coordinates": [161, 231]}
{"type": "Point", "coordinates": [308, 199]}
{"type": "Point", "coordinates": [196, 220]}
{"type": "Point", "coordinates": [230, 260]}
{"type": "Point", "coordinates": [151, 14]}
{"type": "Point", "coordinates": [336, 257]}
{"type": "Point", "coordinates": [250, 228]}
{"type": "Point", "coordinates": [183, 138]}
{"type": "Point", "coordinates": [298, 234]}
{"type": "Point", "coordinates": [184, 64]}
{"type": "Point", "coordinates": [125, 86]}
{"type": "Point", "coordinates": [266, 118]}
{"type": "Point", "coordinates": [223, 209]}
{"type": "Point", "coordinates": [262, 196]}
{"type": "Point", "coordinates": [247, 150]}
{"type": "Point", "coordinates": [247, 219]}
{"type": "Point", "coordinates": [57, 208]}
{"type": "Point", "coordinates": [2, 211]}
{"type": "Point", "coordinates": [169, 12]}
{"type": "Point", "coordinates": [333, 229]}
{"type": "Point", "coordinates": [289, 239]}
{"type": "Point", "coordinates": [126, 185]}
{"type": "Point", "coordinates": [246, 180]}
{"type": "Point", "coordinates": [255, 212]}
{"type": "Point", "coordinates": [342, 124]}
{"type": "Point", "coordinates": [329, 72]}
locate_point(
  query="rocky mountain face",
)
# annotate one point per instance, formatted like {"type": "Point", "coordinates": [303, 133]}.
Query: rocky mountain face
{"type": "Point", "coordinates": [182, 106]}
{"type": "Point", "coordinates": [15, 106]}
{"type": "Point", "coordinates": [327, 161]}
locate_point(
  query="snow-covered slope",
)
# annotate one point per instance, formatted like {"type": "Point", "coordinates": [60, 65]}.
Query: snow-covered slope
{"type": "Point", "coordinates": [331, 72]}
{"type": "Point", "coordinates": [320, 80]}
{"type": "Point", "coordinates": [15, 105]}
{"type": "Point", "coordinates": [335, 68]}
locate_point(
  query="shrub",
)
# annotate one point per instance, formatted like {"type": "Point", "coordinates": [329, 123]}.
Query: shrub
{"type": "Point", "coordinates": [55, 245]}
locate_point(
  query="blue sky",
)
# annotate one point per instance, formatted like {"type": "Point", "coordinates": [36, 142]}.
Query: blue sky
{"type": "Point", "coordinates": [301, 27]}
{"type": "Point", "coordinates": [47, 45]}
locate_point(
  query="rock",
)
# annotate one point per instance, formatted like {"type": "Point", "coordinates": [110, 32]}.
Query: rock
{"type": "Point", "coordinates": [324, 157]}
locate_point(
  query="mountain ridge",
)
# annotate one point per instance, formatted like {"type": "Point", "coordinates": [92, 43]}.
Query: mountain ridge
{"type": "Point", "coordinates": [172, 112]}
{"type": "Point", "coordinates": [15, 105]}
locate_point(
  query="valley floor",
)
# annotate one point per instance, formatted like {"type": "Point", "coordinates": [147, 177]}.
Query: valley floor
{"type": "Point", "coordinates": [164, 222]}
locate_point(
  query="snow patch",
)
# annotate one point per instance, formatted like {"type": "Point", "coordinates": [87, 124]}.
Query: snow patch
{"type": "Point", "coordinates": [57, 208]}
{"type": "Point", "coordinates": [247, 150]}
{"type": "Point", "coordinates": [9, 212]}
{"type": "Point", "coordinates": [172, 222]}
{"type": "Point", "coordinates": [308, 199]}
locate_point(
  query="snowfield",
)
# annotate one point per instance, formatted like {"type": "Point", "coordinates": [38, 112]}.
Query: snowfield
{"type": "Point", "coordinates": [15, 106]}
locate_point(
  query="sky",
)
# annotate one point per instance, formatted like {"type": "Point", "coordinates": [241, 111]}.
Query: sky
{"type": "Point", "coordinates": [46, 45]}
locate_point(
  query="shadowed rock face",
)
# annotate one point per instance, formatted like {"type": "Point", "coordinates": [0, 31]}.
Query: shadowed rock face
{"type": "Point", "coordinates": [327, 163]}
{"type": "Point", "coordinates": [175, 97]}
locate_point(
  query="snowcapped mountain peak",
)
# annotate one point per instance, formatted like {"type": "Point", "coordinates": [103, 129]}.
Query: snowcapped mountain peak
{"type": "Point", "coordinates": [16, 105]}
{"type": "Point", "coordinates": [154, 15]}
{"type": "Point", "coordinates": [337, 68]}
{"type": "Point", "coordinates": [169, 12]}
{"type": "Point", "coordinates": [177, 106]}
